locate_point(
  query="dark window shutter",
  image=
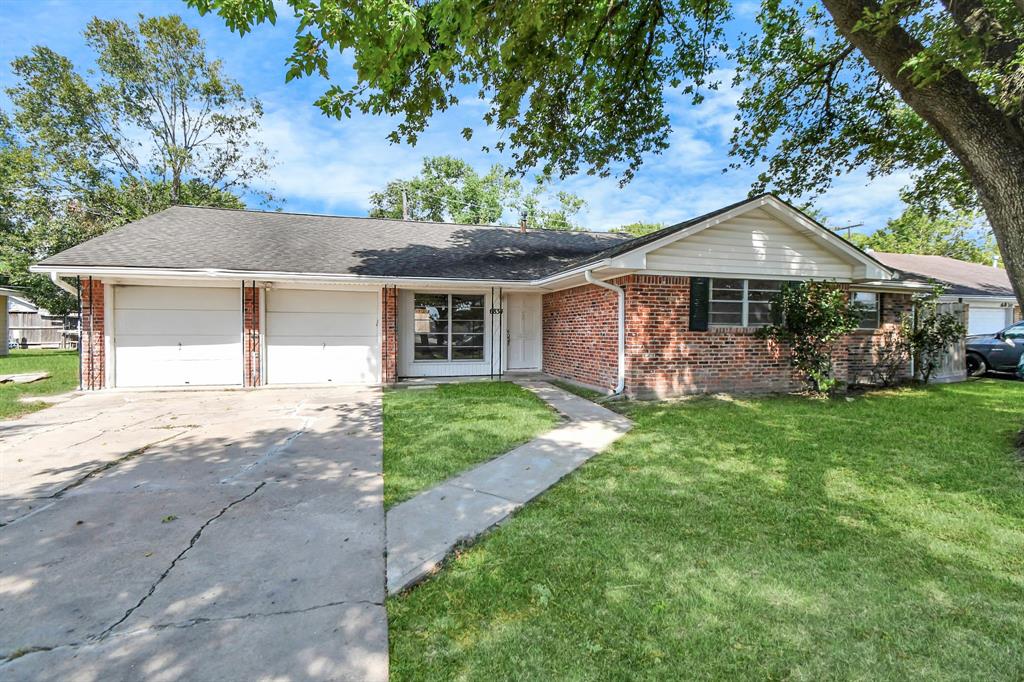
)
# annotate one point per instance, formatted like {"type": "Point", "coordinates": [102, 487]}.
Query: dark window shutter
{"type": "Point", "coordinates": [700, 303]}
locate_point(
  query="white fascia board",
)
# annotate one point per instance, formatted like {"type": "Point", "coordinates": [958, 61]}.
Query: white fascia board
{"type": "Point", "coordinates": [235, 275]}
{"type": "Point", "coordinates": [996, 301]}
{"type": "Point", "coordinates": [891, 286]}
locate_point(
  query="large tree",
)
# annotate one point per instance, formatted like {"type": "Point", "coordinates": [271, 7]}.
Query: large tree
{"type": "Point", "coordinates": [450, 189]}
{"type": "Point", "coordinates": [956, 235]}
{"type": "Point", "coordinates": [154, 122]}
{"type": "Point", "coordinates": [933, 87]}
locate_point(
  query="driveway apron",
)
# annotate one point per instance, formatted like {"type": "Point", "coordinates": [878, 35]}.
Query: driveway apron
{"type": "Point", "coordinates": [229, 535]}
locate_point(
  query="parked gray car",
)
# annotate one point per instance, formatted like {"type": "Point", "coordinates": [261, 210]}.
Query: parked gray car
{"type": "Point", "coordinates": [999, 352]}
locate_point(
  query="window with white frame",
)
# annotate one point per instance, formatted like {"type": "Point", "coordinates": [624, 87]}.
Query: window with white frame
{"type": "Point", "coordinates": [867, 303]}
{"type": "Point", "coordinates": [448, 327]}
{"type": "Point", "coordinates": [743, 302]}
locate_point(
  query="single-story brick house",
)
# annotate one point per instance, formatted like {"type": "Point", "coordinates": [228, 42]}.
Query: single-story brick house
{"type": "Point", "coordinates": [199, 296]}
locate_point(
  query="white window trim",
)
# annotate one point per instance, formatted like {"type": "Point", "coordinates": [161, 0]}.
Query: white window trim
{"type": "Point", "coordinates": [745, 302]}
{"type": "Point", "coordinates": [450, 347]}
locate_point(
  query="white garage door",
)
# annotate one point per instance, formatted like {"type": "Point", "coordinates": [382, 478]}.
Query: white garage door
{"type": "Point", "coordinates": [985, 320]}
{"type": "Point", "coordinates": [177, 336]}
{"type": "Point", "coordinates": [322, 337]}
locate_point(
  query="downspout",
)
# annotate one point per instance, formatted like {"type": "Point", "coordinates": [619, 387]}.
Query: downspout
{"type": "Point", "coordinates": [63, 285]}
{"type": "Point", "coordinates": [620, 386]}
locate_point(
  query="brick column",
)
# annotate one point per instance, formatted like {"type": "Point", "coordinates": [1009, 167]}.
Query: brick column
{"type": "Point", "coordinates": [251, 374]}
{"type": "Point", "coordinates": [92, 345]}
{"type": "Point", "coordinates": [389, 335]}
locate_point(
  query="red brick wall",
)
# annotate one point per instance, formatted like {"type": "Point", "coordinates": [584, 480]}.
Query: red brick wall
{"type": "Point", "coordinates": [665, 358]}
{"type": "Point", "coordinates": [864, 346]}
{"type": "Point", "coordinates": [251, 374]}
{"type": "Point", "coordinates": [93, 348]}
{"type": "Point", "coordinates": [581, 335]}
{"type": "Point", "coordinates": [389, 335]}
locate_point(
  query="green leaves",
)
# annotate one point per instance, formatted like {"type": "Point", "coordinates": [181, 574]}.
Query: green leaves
{"type": "Point", "coordinates": [155, 123]}
{"type": "Point", "coordinates": [570, 86]}
{"type": "Point", "coordinates": [810, 318]}
{"type": "Point", "coordinates": [449, 189]}
{"type": "Point", "coordinates": [958, 235]}
{"type": "Point", "coordinates": [931, 332]}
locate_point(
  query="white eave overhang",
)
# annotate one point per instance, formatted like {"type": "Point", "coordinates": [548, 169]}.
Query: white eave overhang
{"type": "Point", "coordinates": [208, 274]}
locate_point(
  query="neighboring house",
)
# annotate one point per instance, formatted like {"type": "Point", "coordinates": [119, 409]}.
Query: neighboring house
{"type": "Point", "coordinates": [985, 291]}
{"type": "Point", "coordinates": [199, 296]}
{"type": "Point", "coordinates": [30, 326]}
{"type": "Point", "coordinates": [5, 302]}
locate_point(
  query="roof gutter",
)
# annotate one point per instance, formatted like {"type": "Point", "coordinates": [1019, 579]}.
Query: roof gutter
{"type": "Point", "coordinates": [621, 383]}
{"type": "Point", "coordinates": [55, 278]}
{"type": "Point", "coordinates": [214, 273]}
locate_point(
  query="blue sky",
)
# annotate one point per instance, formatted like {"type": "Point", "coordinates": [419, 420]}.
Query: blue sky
{"type": "Point", "coordinates": [329, 166]}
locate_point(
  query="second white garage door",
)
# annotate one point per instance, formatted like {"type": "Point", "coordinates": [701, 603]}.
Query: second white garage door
{"type": "Point", "coordinates": [322, 337]}
{"type": "Point", "coordinates": [985, 320]}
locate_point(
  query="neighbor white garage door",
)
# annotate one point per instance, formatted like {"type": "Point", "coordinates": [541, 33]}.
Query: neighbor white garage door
{"type": "Point", "coordinates": [985, 320]}
{"type": "Point", "coordinates": [322, 337]}
{"type": "Point", "coordinates": [177, 336]}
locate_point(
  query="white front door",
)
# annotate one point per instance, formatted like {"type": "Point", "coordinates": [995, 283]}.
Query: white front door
{"type": "Point", "coordinates": [322, 337]}
{"type": "Point", "coordinates": [524, 330]}
{"type": "Point", "coordinates": [177, 336]}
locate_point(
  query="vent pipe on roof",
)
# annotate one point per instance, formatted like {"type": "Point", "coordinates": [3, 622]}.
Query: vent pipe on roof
{"type": "Point", "coordinates": [522, 225]}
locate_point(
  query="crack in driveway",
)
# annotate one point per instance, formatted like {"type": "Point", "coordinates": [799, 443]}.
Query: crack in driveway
{"type": "Point", "coordinates": [191, 544]}
{"type": "Point", "coordinates": [56, 495]}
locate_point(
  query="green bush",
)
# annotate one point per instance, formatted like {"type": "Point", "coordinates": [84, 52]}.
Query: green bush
{"type": "Point", "coordinates": [810, 318]}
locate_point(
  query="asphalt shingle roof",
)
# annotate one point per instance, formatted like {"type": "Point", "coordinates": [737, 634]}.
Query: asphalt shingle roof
{"type": "Point", "coordinates": [959, 277]}
{"type": "Point", "coordinates": [184, 237]}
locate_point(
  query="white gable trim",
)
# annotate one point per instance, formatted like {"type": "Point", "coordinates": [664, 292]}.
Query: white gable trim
{"type": "Point", "coordinates": [870, 269]}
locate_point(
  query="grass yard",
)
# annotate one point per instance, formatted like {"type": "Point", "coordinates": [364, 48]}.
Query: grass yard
{"type": "Point", "coordinates": [62, 366]}
{"type": "Point", "coordinates": [777, 538]}
{"type": "Point", "coordinates": [431, 434]}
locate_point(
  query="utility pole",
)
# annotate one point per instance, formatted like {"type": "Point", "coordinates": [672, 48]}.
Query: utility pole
{"type": "Point", "coordinates": [848, 228]}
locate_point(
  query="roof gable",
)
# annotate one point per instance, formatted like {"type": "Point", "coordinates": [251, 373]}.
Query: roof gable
{"type": "Point", "coordinates": [760, 236]}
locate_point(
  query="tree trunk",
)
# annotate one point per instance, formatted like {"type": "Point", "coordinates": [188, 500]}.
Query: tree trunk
{"type": "Point", "coordinates": [988, 143]}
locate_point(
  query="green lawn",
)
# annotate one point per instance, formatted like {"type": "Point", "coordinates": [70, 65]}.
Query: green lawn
{"type": "Point", "coordinates": [62, 366]}
{"type": "Point", "coordinates": [431, 434]}
{"type": "Point", "coordinates": [778, 538]}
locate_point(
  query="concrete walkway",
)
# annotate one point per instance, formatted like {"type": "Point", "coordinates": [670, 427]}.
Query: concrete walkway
{"type": "Point", "coordinates": [422, 531]}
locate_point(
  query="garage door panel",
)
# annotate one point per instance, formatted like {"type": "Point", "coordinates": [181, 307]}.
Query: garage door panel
{"type": "Point", "coordinates": [321, 324]}
{"type": "Point", "coordinates": [177, 298]}
{"type": "Point", "coordinates": [307, 300]}
{"type": "Point", "coordinates": [137, 347]}
{"type": "Point", "coordinates": [319, 337]}
{"type": "Point", "coordinates": [309, 364]}
{"type": "Point", "coordinates": [198, 372]}
{"type": "Point", "coordinates": [183, 323]}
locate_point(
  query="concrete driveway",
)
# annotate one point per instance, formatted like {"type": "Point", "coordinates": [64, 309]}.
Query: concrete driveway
{"type": "Point", "coordinates": [228, 535]}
